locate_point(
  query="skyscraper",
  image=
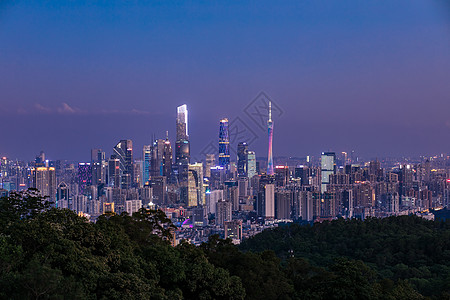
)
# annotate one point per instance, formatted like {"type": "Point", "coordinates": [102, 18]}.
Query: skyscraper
{"type": "Point", "coordinates": [114, 172]}
{"type": "Point", "coordinates": [182, 151]}
{"type": "Point", "coordinates": [167, 157]}
{"type": "Point", "coordinates": [328, 167]}
{"type": "Point", "coordinates": [146, 156]}
{"type": "Point", "coordinates": [224, 143]}
{"type": "Point", "coordinates": [251, 164]}
{"type": "Point", "coordinates": [270, 132]}
{"type": "Point", "coordinates": [84, 177]}
{"type": "Point", "coordinates": [242, 152]}
{"type": "Point", "coordinates": [156, 157]}
{"type": "Point", "coordinates": [124, 152]}
{"type": "Point", "coordinates": [97, 155]}
{"type": "Point", "coordinates": [196, 195]}
{"type": "Point", "coordinates": [44, 180]}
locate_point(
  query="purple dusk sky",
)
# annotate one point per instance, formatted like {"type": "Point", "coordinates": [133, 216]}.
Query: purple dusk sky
{"type": "Point", "coordinates": [373, 76]}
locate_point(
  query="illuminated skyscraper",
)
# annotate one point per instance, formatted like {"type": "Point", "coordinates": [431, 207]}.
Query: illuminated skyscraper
{"type": "Point", "coordinates": [146, 156]}
{"type": "Point", "coordinates": [124, 152]}
{"type": "Point", "coordinates": [328, 167]}
{"type": "Point", "coordinates": [167, 158]}
{"type": "Point", "coordinates": [224, 143]}
{"type": "Point", "coordinates": [84, 177]}
{"type": "Point", "coordinates": [251, 164]}
{"type": "Point", "coordinates": [242, 151]}
{"type": "Point", "coordinates": [44, 179]}
{"type": "Point", "coordinates": [182, 151]}
{"type": "Point", "coordinates": [196, 195]}
{"type": "Point", "coordinates": [157, 156]}
{"type": "Point", "coordinates": [270, 132]}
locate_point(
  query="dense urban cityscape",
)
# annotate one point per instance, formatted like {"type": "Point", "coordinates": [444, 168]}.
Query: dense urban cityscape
{"type": "Point", "coordinates": [233, 198]}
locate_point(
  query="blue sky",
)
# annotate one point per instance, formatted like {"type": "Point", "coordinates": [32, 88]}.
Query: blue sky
{"type": "Point", "coordinates": [365, 75]}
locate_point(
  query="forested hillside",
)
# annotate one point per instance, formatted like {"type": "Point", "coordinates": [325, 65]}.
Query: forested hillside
{"type": "Point", "coordinates": [48, 253]}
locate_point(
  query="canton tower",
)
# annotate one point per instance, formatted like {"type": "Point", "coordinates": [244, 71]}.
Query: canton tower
{"type": "Point", "coordinates": [270, 131]}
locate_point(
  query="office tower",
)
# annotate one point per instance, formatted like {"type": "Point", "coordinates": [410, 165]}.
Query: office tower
{"type": "Point", "coordinates": [167, 158]}
{"type": "Point", "coordinates": [195, 185]}
{"type": "Point", "coordinates": [233, 230]}
{"type": "Point", "coordinates": [84, 177]}
{"type": "Point", "coordinates": [97, 155]}
{"type": "Point", "coordinates": [114, 172]}
{"type": "Point", "coordinates": [270, 132]}
{"type": "Point", "coordinates": [182, 151]}
{"type": "Point", "coordinates": [45, 182]}
{"type": "Point", "coordinates": [210, 162]}
{"type": "Point", "coordinates": [251, 164]}
{"type": "Point", "coordinates": [146, 156]}
{"type": "Point", "coordinates": [224, 144]}
{"type": "Point", "coordinates": [157, 157]}
{"type": "Point", "coordinates": [242, 156]}
{"type": "Point", "coordinates": [124, 152]}
{"type": "Point", "coordinates": [223, 212]}
{"type": "Point", "coordinates": [328, 167]}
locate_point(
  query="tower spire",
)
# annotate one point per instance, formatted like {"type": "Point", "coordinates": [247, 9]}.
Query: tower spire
{"type": "Point", "coordinates": [270, 111]}
{"type": "Point", "coordinates": [270, 132]}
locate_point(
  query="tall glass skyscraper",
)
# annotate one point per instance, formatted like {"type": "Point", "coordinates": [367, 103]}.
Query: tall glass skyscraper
{"type": "Point", "coordinates": [167, 157]}
{"type": "Point", "coordinates": [182, 151]}
{"type": "Point", "coordinates": [270, 132]}
{"type": "Point", "coordinates": [242, 150]}
{"type": "Point", "coordinates": [147, 157]}
{"type": "Point", "coordinates": [328, 167]}
{"type": "Point", "coordinates": [124, 152]}
{"type": "Point", "coordinates": [251, 164]}
{"type": "Point", "coordinates": [224, 143]}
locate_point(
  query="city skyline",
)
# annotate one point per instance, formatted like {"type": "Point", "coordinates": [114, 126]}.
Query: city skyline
{"type": "Point", "coordinates": [365, 76]}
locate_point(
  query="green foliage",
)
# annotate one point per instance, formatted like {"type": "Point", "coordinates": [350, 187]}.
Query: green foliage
{"type": "Point", "coordinates": [49, 253]}
{"type": "Point", "coordinates": [411, 252]}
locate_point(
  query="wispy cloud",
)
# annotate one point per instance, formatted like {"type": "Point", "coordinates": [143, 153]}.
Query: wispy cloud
{"type": "Point", "coordinates": [65, 108]}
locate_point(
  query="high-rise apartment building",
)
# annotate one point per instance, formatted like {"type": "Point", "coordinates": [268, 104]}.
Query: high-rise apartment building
{"type": "Point", "coordinates": [44, 180]}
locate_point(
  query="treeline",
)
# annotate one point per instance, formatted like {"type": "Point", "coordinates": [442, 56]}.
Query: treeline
{"type": "Point", "coordinates": [48, 253]}
{"type": "Point", "coordinates": [406, 249]}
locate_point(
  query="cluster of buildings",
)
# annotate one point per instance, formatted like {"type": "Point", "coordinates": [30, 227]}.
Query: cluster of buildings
{"type": "Point", "coordinates": [232, 197]}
